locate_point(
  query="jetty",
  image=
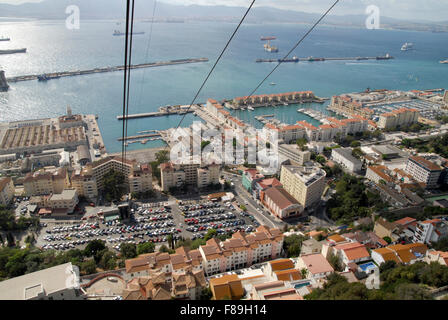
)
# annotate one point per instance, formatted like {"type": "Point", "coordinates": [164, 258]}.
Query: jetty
{"type": "Point", "coordinates": [163, 111]}
{"type": "Point", "coordinates": [56, 75]}
{"type": "Point", "coordinates": [140, 136]}
{"type": "Point", "coordinates": [313, 59]}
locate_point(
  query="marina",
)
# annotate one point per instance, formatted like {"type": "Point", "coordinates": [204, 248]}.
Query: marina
{"type": "Point", "coordinates": [56, 75]}
{"type": "Point", "coordinates": [315, 114]}
{"type": "Point", "coordinates": [312, 59]}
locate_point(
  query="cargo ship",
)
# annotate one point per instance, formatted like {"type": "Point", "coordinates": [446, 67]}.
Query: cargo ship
{"type": "Point", "coordinates": [386, 57]}
{"type": "Point", "coordinates": [4, 39]}
{"type": "Point", "coordinates": [118, 33]}
{"type": "Point", "coordinates": [267, 46]}
{"type": "Point", "coordinates": [13, 51]}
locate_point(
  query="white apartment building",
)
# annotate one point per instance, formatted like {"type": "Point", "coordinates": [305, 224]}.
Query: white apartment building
{"type": "Point", "coordinates": [379, 173]}
{"type": "Point", "coordinates": [6, 191]}
{"type": "Point", "coordinates": [57, 283]}
{"type": "Point", "coordinates": [344, 157]}
{"type": "Point", "coordinates": [241, 250]}
{"type": "Point", "coordinates": [208, 175]}
{"type": "Point", "coordinates": [424, 171]}
{"type": "Point", "coordinates": [65, 201]}
{"type": "Point", "coordinates": [430, 231]}
{"type": "Point", "coordinates": [140, 179]}
{"type": "Point", "coordinates": [176, 175]}
{"type": "Point", "coordinates": [85, 183]}
{"type": "Point", "coordinates": [294, 154]}
{"type": "Point", "coordinates": [305, 184]}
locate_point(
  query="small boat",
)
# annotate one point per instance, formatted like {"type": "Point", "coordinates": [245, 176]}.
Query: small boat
{"type": "Point", "coordinates": [407, 46]}
{"type": "Point", "coordinates": [444, 61]}
{"type": "Point", "coordinates": [272, 84]}
{"type": "Point", "coordinates": [250, 108]}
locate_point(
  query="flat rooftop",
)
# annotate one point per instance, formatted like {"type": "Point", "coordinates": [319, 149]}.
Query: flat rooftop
{"type": "Point", "coordinates": [45, 281]}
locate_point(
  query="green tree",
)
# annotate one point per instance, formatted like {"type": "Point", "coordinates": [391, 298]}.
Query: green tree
{"type": "Point", "coordinates": [388, 265]}
{"type": "Point", "coordinates": [206, 294]}
{"type": "Point", "coordinates": [108, 260]}
{"type": "Point", "coordinates": [321, 159]}
{"type": "Point", "coordinates": [211, 233]}
{"type": "Point", "coordinates": [204, 144]}
{"type": "Point", "coordinates": [337, 287]}
{"type": "Point", "coordinates": [302, 142]}
{"type": "Point", "coordinates": [164, 248]}
{"type": "Point", "coordinates": [113, 184]}
{"type": "Point", "coordinates": [335, 262]}
{"type": "Point", "coordinates": [88, 267]}
{"type": "Point", "coordinates": [94, 247]}
{"type": "Point", "coordinates": [146, 247]}
{"type": "Point", "coordinates": [292, 245]}
{"type": "Point", "coordinates": [162, 156]}
{"type": "Point", "coordinates": [128, 250]}
{"type": "Point", "coordinates": [355, 144]}
{"type": "Point", "coordinates": [388, 240]}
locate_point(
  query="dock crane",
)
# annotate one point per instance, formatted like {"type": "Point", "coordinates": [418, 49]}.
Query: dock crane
{"type": "Point", "coordinates": [267, 45]}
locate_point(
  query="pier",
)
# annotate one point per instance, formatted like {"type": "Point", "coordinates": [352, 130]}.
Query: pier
{"type": "Point", "coordinates": [56, 75]}
{"type": "Point", "coordinates": [140, 136]}
{"type": "Point", "coordinates": [312, 59]}
{"type": "Point", "coordinates": [163, 111]}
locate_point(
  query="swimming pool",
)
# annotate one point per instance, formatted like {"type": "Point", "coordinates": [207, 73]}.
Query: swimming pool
{"type": "Point", "coordinates": [300, 285]}
{"type": "Point", "coordinates": [367, 266]}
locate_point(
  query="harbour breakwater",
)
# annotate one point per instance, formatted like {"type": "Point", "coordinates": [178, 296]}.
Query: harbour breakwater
{"type": "Point", "coordinates": [56, 75]}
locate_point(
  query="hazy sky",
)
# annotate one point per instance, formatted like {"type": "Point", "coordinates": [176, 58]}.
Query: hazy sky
{"type": "Point", "coordinates": [404, 9]}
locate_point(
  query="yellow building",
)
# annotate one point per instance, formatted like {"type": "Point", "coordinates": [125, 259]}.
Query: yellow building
{"type": "Point", "coordinates": [6, 191]}
{"type": "Point", "coordinates": [305, 184]}
{"type": "Point", "coordinates": [400, 117]}
{"type": "Point", "coordinates": [44, 182]}
{"type": "Point", "coordinates": [227, 287]}
{"type": "Point", "coordinates": [85, 183]}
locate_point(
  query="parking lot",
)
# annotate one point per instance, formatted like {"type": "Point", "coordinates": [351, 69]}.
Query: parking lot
{"type": "Point", "coordinates": [149, 222]}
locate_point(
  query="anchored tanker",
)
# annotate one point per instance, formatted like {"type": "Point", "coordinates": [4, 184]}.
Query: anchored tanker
{"type": "Point", "coordinates": [13, 51]}
{"type": "Point", "coordinates": [118, 33]}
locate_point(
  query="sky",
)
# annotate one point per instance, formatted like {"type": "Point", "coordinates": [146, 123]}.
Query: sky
{"type": "Point", "coordinates": [416, 10]}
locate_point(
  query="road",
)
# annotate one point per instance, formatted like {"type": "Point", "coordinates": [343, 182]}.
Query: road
{"type": "Point", "coordinates": [258, 211]}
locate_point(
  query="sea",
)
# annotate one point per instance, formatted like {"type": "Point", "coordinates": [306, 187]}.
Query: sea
{"type": "Point", "coordinates": [52, 47]}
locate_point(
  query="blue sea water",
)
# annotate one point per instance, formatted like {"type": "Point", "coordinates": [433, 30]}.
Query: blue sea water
{"type": "Point", "coordinates": [52, 47]}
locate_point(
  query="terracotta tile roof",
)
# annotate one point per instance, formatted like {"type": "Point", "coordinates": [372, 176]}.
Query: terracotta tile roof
{"type": "Point", "coordinates": [387, 254]}
{"type": "Point", "coordinates": [316, 263]}
{"type": "Point", "coordinates": [353, 251]}
{"type": "Point", "coordinates": [281, 264]}
{"type": "Point", "coordinates": [336, 238]}
{"type": "Point", "coordinates": [227, 286]}
{"type": "Point", "coordinates": [280, 197]}
{"type": "Point", "coordinates": [271, 182]}
{"type": "Point", "coordinates": [405, 221]}
{"type": "Point", "coordinates": [288, 275]}
{"type": "Point", "coordinates": [425, 163]}
{"type": "Point", "coordinates": [381, 171]}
